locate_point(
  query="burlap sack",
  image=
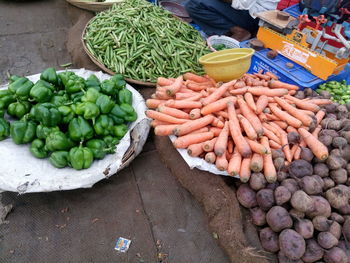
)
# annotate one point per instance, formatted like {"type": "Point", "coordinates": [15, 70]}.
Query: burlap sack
{"type": "Point", "coordinates": [236, 234]}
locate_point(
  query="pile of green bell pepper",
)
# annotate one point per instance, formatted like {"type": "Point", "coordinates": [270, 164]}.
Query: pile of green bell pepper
{"type": "Point", "coordinates": [339, 91]}
{"type": "Point", "coordinates": [66, 118]}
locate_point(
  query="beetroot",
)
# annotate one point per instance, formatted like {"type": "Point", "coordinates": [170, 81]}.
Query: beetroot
{"type": "Point", "coordinates": [338, 196]}
{"type": "Point", "coordinates": [328, 183]}
{"type": "Point", "coordinates": [282, 195]}
{"type": "Point", "coordinates": [292, 244]}
{"type": "Point", "coordinates": [293, 138]}
{"type": "Point", "coordinates": [291, 185]}
{"type": "Point", "coordinates": [278, 218]}
{"type": "Point", "coordinates": [246, 196]}
{"type": "Point", "coordinates": [311, 185]}
{"type": "Point", "coordinates": [326, 240]}
{"type": "Point", "coordinates": [281, 176]}
{"type": "Point", "coordinates": [335, 229]}
{"type": "Point", "coordinates": [338, 218]}
{"type": "Point", "coordinates": [306, 154]}
{"type": "Point", "coordinates": [269, 240]}
{"type": "Point", "coordinates": [257, 181]}
{"type": "Point", "coordinates": [313, 251]}
{"type": "Point", "coordinates": [321, 207]}
{"type": "Point", "coordinates": [321, 169]}
{"type": "Point", "coordinates": [339, 176]}
{"type": "Point", "coordinates": [305, 228]}
{"type": "Point", "coordinates": [300, 168]}
{"type": "Point", "coordinates": [258, 216]}
{"type": "Point", "coordinates": [335, 255]}
{"type": "Point", "coordinates": [321, 223]}
{"type": "Point", "coordinates": [302, 202]}
{"type": "Point", "coordinates": [296, 213]}
{"type": "Point", "coordinates": [346, 229]}
{"type": "Point", "coordinates": [265, 199]}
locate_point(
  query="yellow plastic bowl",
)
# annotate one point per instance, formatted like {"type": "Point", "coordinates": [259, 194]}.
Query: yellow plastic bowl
{"type": "Point", "coordinates": [228, 64]}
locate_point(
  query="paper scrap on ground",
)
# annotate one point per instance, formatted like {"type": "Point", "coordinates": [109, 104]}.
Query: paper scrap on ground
{"type": "Point", "coordinates": [122, 244]}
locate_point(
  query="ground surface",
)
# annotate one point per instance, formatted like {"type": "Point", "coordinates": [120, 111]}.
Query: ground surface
{"type": "Point", "coordinates": [143, 203]}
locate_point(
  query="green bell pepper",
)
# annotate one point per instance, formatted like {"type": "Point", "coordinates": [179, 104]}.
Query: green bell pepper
{"type": "Point", "coordinates": [93, 82]}
{"type": "Point", "coordinates": [76, 97]}
{"type": "Point", "coordinates": [105, 104]}
{"type": "Point", "coordinates": [81, 157]}
{"type": "Point", "coordinates": [2, 113]}
{"type": "Point", "coordinates": [67, 113]}
{"type": "Point", "coordinates": [42, 132]}
{"type": "Point", "coordinates": [38, 150]}
{"type": "Point", "coordinates": [6, 98]}
{"type": "Point", "coordinates": [50, 75]}
{"type": "Point", "coordinates": [119, 81]}
{"type": "Point", "coordinates": [22, 131]}
{"type": "Point", "coordinates": [71, 82]}
{"type": "Point", "coordinates": [108, 87]}
{"type": "Point", "coordinates": [59, 159]}
{"type": "Point", "coordinates": [57, 141]}
{"type": "Point", "coordinates": [47, 114]}
{"type": "Point", "coordinates": [120, 130]}
{"type": "Point", "coordinates": [19, 109]}
{"type": "Point", "coordinates": [80, 129]}
{"type": "Point", "coordinates": [4, 129]}
{"type": "Point", "coordinates": [103, 125]}
{"type": "Point", "coordinates": [111, 143]}
{"type": "Point", "coordinates": [131, 114]}
{"type": "Point", "coordinates": [125, 96]}
{"type": "Point", "coordinates": [13, 78]}
{"type": "Point", "coordinates": [117, 114]}
{"type": "Point", "coordinates": [89, 110]}
{"type": "Point", "coordinates": [98, 148]}
{"type": "Point", "coordinates": [42, 91]}
{"type": "Point", "coordinates": [21, 88]}
{"type": "Point", "coordinates": [59, 100]}
{"type": "Point", "coordinates": [91, 95]}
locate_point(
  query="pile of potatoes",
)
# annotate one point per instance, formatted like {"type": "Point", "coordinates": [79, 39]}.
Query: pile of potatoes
{"type": "Point", "coordinates": [305, 215]}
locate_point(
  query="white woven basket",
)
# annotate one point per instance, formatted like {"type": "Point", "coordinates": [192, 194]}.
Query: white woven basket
{"type": "Point", "coordinates": [227, 41]}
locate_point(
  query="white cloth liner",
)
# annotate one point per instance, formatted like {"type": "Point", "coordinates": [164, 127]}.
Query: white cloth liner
{"type": "Point", "coordinates": [21, 172]}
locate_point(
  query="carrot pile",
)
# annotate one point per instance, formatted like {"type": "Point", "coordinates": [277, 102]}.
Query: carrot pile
{"type": "Point", "coordinates": [235, 125]}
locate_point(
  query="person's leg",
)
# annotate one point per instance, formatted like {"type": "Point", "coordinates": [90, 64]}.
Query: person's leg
{"type": "Point", "coordinates": [218, 17]}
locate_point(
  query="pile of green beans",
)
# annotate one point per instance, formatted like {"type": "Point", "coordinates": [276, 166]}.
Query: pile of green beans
{"type": "Point", "coordinates": [339, 91]}
{"type": "Point", "coordinates": [143, 42]}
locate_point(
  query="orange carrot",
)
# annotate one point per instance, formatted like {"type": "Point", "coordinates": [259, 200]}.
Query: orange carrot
{"type": "Point", "coordinates": [244, 173]}
{"type": "Point", "coordinates": [182, 96]}
{"type": "Point", "coordinates": [217, 123]}
{"type": "Point", "coordinates": [257, 147]}
{"type": "Point", "coordinates": [217, 105]}
{"type": "Point", "coordinates": [303, 104]}
{"type": "Point", "coordinates": [164, 130]}
{"type": "Point", "coordinates": [194, 97]}
{"type": "Point", "coordinates": [269, 134]}
{"type": "Point", "coordinates": [316, 132]}
{"type": "Point", "coordinates": [193, 125]}
{"type": "Point", "coordinates": [248, 97]}
{"type": "Point", "coordinates": [185, 141]}
{"type": "Point", "coordinates": [230, 146]}
{"type": "Point", "coordinates": [236, 134]}
{"type": "Point", "coordinates": [262, 76]}
{"type": "Point", "coordinates": [308, 112]}
{"type": "Point", "coordinates": [201, 130]}
{"type": "Point", "coordinates": [239, 84]}
{"type": "Point", "coordinates": [215, 130]}
{"type": "Point", "coordinates": [271, 75]}
{"type": "Point", "coordinates": [196, 86]}
{"type": "Point", "coordinates": [293, 150]}
{"type": "Point", "coordinates": [222, 114]}
{"type": "Point", "coordinates": [305, 119]}
{"type": "Point", "coordinates": [221, 143]}
{"type": "Point", "coordinates": [247, 127]}
{"type": "Point", "coordinates": [320, 101]}
{"type": "Point", "coordinates": [240, 91]}
{"type": "Point", "coordinates": [208, 146]}
{"type": "Point", "coordinates": [195, 150]}
{"type": "Point", "coordinates": [269, 168]}
{"type": "Point", "coordinates": [222, 119]}
{"type": "Point", "coordinates": [164, 82]}
{"type": "Point", "coordinates": [251, 117]}
{"type": "Point", "coordinates": [195, 114]}
{"type": "Point", "coordinates": [285, 116]}
{"type": "Point", "coordinates": [194, 77]}
{"type": "Point", "coordinates": [297, 154]}
{"type": "Point", "coordinates": [285, 146]}
{"type": "Point", "coordinates": [210, 157]}
{"type": "Point", "coordinates": [275, 84]}
{"type": "Point", "coordinates": [212, 81]}
{"type": "Point", "coordinates": [291, 129]}
{"type": "Point", "coordinates": [292, 92]}
{"type": "Point", "coordinates": [263, 118]}
{"type": "Point", "coordinates": [186, 90]}
{"type": "Point", "coordinates": [155, 123]}
{"type": "Point", "coordinates": [221, 162]}
{"type": "Point", "coordinates": [162, 95]}
{"type": "Point", "coordinates": [274, 145]}
{"type": "Point", "coordinates": [164, 117]}
{"type": "Point", "coordinates": [271, 128]}
{"type": "Point", "coordinates": [183, 104]}
{"type": "Point", "coordinates": [317, 148]}
{"type": "Point", "coordinates": [217, 94]}
{"type": "Point", "coordinates": [271, 117]}
{"type": "Point", "coordinates": [257, 162]}
{"type": "Point", "coordinates": [258, 91]}
{"type": "Point", "coordinates": [319, 116]}
{"type": "Point", "coordinates": [154, 103]}
{"type": "Point", "coordinates": [281, 124]}
{"type": "Point", "coordinates": [234, 165]}
{"type": "Point", "coordinates": [261, 104]}
{"type": "Point", "coordinates": [173, 112]}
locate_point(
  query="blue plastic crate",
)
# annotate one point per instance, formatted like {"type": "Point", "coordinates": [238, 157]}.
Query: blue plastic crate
{"type": "Point", "coordinates": [293, 10]}
{"type": "Point", "coordinates": [297, 75]}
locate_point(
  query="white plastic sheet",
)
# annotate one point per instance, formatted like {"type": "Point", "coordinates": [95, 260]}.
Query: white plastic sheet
{"type": "Point", "coordinates": [23, 173]}
{"type": "Point", "coordinates": [199, 163]}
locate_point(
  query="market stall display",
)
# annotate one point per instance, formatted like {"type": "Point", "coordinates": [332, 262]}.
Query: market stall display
{"type": "Point", "coordinates": [338, 91]}
{"type": "Point", "coordinates": [142, 42]}
{"type": "Point", "coordinates": [80, 135]}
